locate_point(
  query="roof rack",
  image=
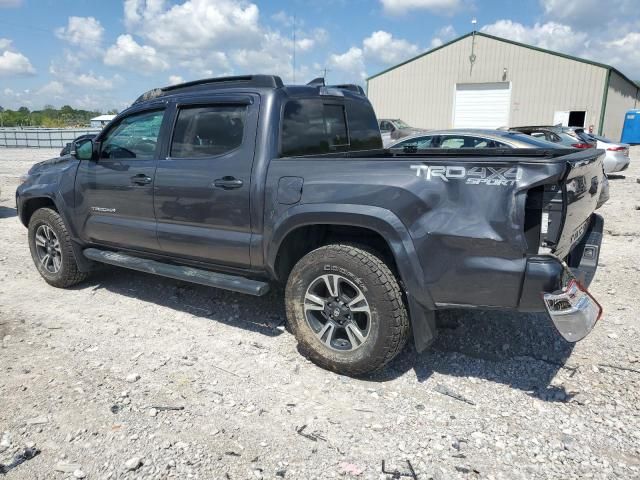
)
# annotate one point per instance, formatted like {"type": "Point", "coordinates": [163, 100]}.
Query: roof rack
{"type": "Point", "coordinates": [258, 81]}
{"type": "Point", "coordinates": [319, 82]}
{"type": "Point", "coordinates": [351, 87]}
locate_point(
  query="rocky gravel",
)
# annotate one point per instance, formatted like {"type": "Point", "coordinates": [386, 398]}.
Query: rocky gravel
{"type": "Point", "coordinates": [130, 376]}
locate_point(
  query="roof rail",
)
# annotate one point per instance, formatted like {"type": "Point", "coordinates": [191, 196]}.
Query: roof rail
{"type": "Point", "coordinates": [259, 81]}
{"type": "Point", "coordinates": [319, 82]}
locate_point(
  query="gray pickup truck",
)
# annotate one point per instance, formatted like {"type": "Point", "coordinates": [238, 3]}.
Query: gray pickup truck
{"type": "Point", "coordinates": [243, 182]}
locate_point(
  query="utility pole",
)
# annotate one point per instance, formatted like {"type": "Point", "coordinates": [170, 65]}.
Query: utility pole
{"type": "Point", "coordinates": [294, 49]}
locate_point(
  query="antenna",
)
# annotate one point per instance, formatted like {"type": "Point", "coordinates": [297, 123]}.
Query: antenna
{"type": "Point", "coordinates": [294, 48]}
{"type": "Point", "coordinates": [472, 57]}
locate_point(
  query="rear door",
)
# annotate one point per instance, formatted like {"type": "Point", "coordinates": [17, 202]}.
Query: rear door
{"type": "Point", "coordinates": [114, 193]}
{"type": "Point", "coordinates": [202, 187]}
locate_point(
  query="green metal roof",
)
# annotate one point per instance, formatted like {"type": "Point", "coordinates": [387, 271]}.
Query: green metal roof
{"type": "Point", "coordinates": [543, 50]}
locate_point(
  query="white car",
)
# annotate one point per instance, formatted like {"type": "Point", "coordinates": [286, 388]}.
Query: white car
{"type": "Point", "coordinates": [617, 154]}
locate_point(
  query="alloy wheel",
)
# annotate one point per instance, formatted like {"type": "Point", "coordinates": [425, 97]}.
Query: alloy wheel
{"type": "Point", "coordinates": [338, 312]}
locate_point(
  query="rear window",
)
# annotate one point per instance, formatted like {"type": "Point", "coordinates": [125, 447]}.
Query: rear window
{"type": "Point", "coordinates": [208, 131]}
{"type": "Point", "coordinates": [312, 127]}
{"type": "Point", "coordinates": [536, 139]}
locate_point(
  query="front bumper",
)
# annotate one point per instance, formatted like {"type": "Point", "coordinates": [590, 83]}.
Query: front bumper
{"type": "Point", "coordinates": [560, 288]}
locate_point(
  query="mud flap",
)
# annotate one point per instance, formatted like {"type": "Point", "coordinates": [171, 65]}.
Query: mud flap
{"type": "Point", "coordinates": [423, 325]}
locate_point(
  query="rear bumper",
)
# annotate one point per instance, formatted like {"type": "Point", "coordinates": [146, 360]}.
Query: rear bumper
{"type": "Point", "coordinates": [615, 162]}
{"type": "Point", "coordinates": [546, 273]}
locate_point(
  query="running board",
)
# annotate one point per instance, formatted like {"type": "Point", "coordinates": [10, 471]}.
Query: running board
{"type": "Point", "coordinates": [178, 272]}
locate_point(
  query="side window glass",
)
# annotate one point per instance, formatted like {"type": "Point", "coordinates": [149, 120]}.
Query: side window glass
{"type": "Point", "coordinates": [417, 143]}
{"type": "Point", "coordinates": [208, 131]}
{"type": "Point", "coordinates": [135, 136]}
{"type": "Point", "coordinates": [452, 142]}
{"type": "Point", "coordinates": [311, 127]}
{"type": "Point", "coordinates": [363, 126]}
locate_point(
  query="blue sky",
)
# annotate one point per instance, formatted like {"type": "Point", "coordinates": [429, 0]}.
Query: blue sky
{"type": "Point", "coordinates": [103, 54]}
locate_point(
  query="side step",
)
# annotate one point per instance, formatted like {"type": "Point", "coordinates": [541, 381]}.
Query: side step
{"type": "Point", "coordinates": [187, 274]}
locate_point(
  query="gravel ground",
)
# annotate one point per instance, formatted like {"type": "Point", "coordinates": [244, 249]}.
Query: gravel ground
{"type": "Point", "coordinates": [134, 376]}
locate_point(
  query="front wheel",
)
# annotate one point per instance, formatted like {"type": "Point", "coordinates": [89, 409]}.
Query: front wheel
{"type": "Point", "coordinates": [51, 249]}
{"type": "Point", "coordinates": [346, 310]}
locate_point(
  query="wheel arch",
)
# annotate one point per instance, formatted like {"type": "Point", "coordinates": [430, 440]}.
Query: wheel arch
{"type": "Point", "coordinates": [31, 205]}
{"type": "Point", "coordinates": [318, 219]}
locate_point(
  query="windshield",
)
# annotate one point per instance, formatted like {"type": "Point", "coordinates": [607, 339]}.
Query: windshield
{"type": "Point", "coordinates": [400, 124]}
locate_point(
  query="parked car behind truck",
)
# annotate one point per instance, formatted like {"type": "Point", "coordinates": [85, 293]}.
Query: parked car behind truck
{"type": "Point", "coordinates": [242, 182]}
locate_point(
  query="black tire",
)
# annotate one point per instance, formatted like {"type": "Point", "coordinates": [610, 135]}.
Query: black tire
{"type": "Point", "coordinates": [68, 273]}
{"type": "Point", "coordinates": [387, 316]}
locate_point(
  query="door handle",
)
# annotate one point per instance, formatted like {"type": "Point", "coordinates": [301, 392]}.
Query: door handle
{"type": "Point", "coordinates": [141, 179]}
{"type": "Point", "coordinates": [228, 183]}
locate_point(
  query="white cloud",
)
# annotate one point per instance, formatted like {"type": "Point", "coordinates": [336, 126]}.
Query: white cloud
{"type": "Point", "coordinates": [283, 18]}
{"type": "Point", "coordinates": [381, 47]}
{"type": "Point", "coordinates": [128, 54]}
{"type": "Point", "coordinates": [194, 24]}
{"type": "Point", "coordinates": [15, 63]}
{"type": "Point", "coordinates": [349, 65]}
{"type": "Point", "coordinates": [623, 53]}
{"type": "Point", "coordinates": [550, 35]}
{"type": "Point", "coordinates": [175, 79]}
{"type": "Point", "coordinates": [214, 37]}
{"type": "Point", "coordinates": [442, 7]}
{"type": "Point", "coordinates": [589, 13]}
{"type": "Point", "coordinates": [53, 89]}
{"type": "Point", "coordinates": [83, 32]}
{"type": "Point", "coordinates": [443, 35]}
{"type": "Point", "coordinates": [5, 43]}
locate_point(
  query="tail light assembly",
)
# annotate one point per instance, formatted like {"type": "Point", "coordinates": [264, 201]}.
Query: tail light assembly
{"type": "Point", "coordinates": [582, 145]}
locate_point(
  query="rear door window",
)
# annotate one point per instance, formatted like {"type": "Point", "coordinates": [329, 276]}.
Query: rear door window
{"type": "Point", "coordinates": [311, 127]}
{"type": "Point", "coordinates": [363, 126]}
{"type": "Point", "coordinates": [208, 131]}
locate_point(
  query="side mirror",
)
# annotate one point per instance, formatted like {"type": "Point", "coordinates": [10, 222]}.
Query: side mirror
{"type": "Point", "coordinates": [82, 150]}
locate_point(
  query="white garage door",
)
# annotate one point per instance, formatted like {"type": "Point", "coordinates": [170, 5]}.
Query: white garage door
{"type": "Point", "coordinates": [482, 105]}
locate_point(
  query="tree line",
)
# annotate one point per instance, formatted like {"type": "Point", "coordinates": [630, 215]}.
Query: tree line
{"type": "Point", "coordinates": [50, 117]}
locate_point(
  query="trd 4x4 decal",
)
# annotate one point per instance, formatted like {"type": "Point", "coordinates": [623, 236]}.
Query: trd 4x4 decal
{"type": "Point", "coordinates": [495, 176]}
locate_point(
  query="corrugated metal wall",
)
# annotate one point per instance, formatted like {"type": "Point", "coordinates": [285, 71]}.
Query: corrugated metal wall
{"type": "Point", "coordinates": [421, 92]}
{"type": "Point", "coordinates": [621, 97]}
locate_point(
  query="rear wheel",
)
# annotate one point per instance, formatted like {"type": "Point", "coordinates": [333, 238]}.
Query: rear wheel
{"type": "Point", "coordinates": [346, 310]}
{"type": "Point", "coordinates": [51, 249]}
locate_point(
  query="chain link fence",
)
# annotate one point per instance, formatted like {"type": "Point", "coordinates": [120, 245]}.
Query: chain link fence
{"type": "Point", "coordinates": [11, 137]}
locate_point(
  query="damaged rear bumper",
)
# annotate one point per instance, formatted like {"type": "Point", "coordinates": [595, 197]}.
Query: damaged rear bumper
{"type": "Point", "coordinates": [560, 288]}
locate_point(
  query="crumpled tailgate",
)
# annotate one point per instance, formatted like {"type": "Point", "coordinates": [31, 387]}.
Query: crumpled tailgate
{"type": "Point", "coordinates": [581, 188]}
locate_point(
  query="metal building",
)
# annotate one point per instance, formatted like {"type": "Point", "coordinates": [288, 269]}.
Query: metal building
{"type": "Point", "coordinates": [483, 81]}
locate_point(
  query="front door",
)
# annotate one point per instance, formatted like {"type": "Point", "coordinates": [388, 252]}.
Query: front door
{"type": "Point", "coordinates": [114, 192]}
{"type": "Point", "coordinates": [202, 188]}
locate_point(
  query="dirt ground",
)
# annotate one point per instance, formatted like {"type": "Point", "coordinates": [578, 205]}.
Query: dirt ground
{"type": "Point", "coordinates": [134, 376]}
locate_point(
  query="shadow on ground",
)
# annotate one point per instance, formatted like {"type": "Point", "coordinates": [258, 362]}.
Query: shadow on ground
{"type": "Point", "coordinates": [523, 351]}
{"type": "Point", "coordinates": [256, 314]}
{"type": "Point", "coordinates": [6, 212]}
